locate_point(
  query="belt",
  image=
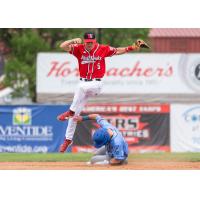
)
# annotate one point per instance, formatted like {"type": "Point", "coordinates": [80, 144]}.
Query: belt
{"type": "Point", "coordinates": [85, 79]}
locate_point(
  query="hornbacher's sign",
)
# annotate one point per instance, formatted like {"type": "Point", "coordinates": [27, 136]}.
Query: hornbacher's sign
{"type": "Point", "coordinates": [58, 73]}
{"type": "Point", "coordinates": [65, 69]}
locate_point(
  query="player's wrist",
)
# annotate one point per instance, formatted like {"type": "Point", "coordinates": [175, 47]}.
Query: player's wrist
{"type": "Point", "coordinates": [131, 48]}
{"type": "Point", "coordinates": [72, 41]}
{"type": "Point", "coordinates": [85, 118]}
{"type": "Point", "coordinates": [76, 41]}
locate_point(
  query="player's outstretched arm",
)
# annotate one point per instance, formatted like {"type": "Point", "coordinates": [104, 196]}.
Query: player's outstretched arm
{"type": "Point", "coordinates": [101, 121]}
{"type": "Point", "coordinates": [122, 50]}
{"type": "Point", "coordinates": [86, 117]}
{"type": "Point", "coordinates": [134, 47]}
{"type": "Point", "coordinates": [66, 45]}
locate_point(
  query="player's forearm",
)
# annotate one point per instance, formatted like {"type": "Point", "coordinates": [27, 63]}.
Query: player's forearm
{"type": "Point", "coordinates": [85, 117]}
{"type": "Point", "coordinates": [90, 117]}
{"type": "Point", "coordinates": [122, 50]}
{"type": "Point", "coordinates": [66, 45]}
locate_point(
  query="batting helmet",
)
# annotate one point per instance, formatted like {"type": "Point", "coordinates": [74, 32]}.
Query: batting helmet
{"type": "Point", "coordinates": [100, 137]}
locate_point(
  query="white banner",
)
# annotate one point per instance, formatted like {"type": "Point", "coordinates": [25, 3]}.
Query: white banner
{"type": "Point", "coordinates": [185, 128]}
{"type": "Point", "coordinates": [129, 73]}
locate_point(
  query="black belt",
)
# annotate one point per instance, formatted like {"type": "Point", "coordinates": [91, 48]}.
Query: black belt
{"type": "Point", "coordinates": [85, 79]}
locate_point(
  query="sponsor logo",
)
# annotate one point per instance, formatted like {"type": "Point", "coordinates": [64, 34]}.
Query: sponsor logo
{"type": "Point", "coordinates": [65, 69]}
{"type": "Point", "coordinates": [131, 127]}
{"type": "Point", "coordinates": [89, 59]}
{"type": "Point", "coordinates": [192, 115]}
{"type": "Point", "coordinates": [195, 75]}
{"type": "Point", "coordinates": [90, 36]}
{"type": "Point", "coordinates": [192, 118]}
{"type": "Point", "coordinates": [22, 128]}
{"type": "Point", "coordinates": [22, 116]}
{"type": "Point", "coordinates": [24, 149]}
{"type": "Point", "coordinates": [136, 108]}
{"type": "Point", "coordinates": [190, 72]}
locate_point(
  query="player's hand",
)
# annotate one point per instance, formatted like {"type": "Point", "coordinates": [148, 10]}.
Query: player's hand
{"type": "Point", "coordinates": [77, 118]}
{"type": "Point", "coordinates": [141, 44]}
{"type": "Point", "coordinates": [77, 41]}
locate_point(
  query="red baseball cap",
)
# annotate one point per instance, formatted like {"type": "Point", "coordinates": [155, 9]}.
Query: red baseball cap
{"type": "Point", "coordinates": [89, 37]}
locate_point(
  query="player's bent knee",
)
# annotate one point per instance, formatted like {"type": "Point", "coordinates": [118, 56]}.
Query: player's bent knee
{"type": "Point", "coordinates": [97, 159]}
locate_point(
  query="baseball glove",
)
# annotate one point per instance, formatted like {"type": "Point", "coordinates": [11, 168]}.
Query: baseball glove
{"type": "Point", "coordinates": [141, 44]}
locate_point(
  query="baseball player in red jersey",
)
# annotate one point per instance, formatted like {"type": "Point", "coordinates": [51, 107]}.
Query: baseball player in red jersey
{"type": "Point", "coordinates": [91, 59]}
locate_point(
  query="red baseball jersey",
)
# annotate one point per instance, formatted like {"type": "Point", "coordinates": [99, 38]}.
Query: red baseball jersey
{"type": "Point", "coordinates": [92, 64]}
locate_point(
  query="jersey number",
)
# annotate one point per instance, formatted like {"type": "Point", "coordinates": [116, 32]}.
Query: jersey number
{"type": "Point", "coordinates": [98, 66]}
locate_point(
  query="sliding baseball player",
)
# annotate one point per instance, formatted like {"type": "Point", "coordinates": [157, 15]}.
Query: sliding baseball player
{"type": "Point", "coordinates": [111, 146]}
{"type": "Point", "coordinates": [91, 59]}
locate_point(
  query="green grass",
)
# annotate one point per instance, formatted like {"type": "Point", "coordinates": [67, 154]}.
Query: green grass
{"type": "Point", "coordinates": [78, 157]}
{"type": "Point", "coordinates": [40, 157]}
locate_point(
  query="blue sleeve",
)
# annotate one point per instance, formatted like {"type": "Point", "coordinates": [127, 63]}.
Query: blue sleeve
{"type": "Point", "coordinates": [103, 123]}
{"type": "Point", "coordinates": [118, 152]}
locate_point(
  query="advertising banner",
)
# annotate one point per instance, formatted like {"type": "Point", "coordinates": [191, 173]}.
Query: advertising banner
{"type": "Point", "coordinates": [185, 128]}
{"type": "Point", "coordinates": [31, 128]}
{"type": "Point", "coordinates": [144, 126]}
{"type": "Point", "coordinates": [132, 73]}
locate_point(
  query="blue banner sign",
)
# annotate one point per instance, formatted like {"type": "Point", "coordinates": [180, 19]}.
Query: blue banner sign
{"type": "Point", "coordinates": [31, 128]}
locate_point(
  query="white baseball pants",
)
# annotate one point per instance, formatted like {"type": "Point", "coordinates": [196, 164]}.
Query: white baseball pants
{"type": "Point", "coordinates": [84, 91]}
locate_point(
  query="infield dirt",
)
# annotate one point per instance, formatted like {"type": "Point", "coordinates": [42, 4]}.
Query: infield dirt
{"type": "Point", "coordinates": [141, 165]}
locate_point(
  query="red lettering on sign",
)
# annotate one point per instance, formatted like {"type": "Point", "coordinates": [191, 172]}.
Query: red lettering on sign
{"type": "Point", "coordinates": [64, 70]}
{"type": "Point", "coordinates": [148, 72]}
{"type": "Point", "coordinates": [112, 72]}
{"type": "Point", "coordinates": [136, 70]}
{"type": "Point", "coordinates": [124, 72]}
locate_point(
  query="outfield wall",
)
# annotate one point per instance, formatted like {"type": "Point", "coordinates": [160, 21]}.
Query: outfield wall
{"type": "Point", "coordinates": [146, 127]}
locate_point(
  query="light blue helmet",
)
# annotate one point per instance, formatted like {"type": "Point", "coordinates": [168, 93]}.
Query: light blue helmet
{"type": "Point", "coordinates": [100, 137]}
